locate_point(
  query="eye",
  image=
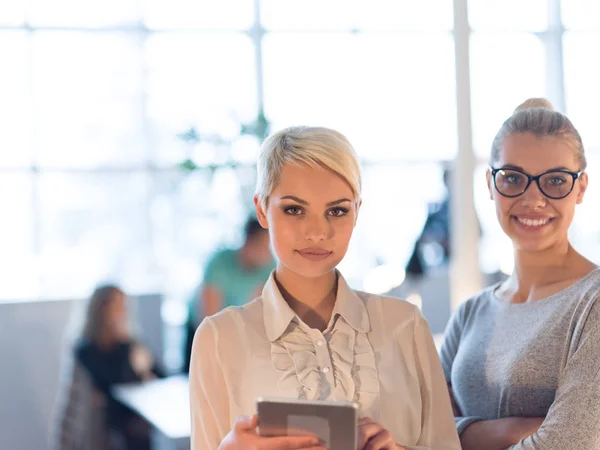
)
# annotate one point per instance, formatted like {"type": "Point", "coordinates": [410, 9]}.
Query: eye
{"type": "Point", "coordinates": [293, 210]}
{"type": "Point", "coordinates": [513, 178]}
{"type": "Point", "coordinates": [338, 211]}
{"type": "Point", "coordinates": [556, 180]}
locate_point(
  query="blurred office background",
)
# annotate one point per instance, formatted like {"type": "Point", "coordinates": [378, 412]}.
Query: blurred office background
{"type": "Point", "coordinates": [129, 131]}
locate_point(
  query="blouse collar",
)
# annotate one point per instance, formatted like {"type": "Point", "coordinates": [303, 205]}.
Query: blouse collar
{"type": "Point", "coordinates": [277, 314]}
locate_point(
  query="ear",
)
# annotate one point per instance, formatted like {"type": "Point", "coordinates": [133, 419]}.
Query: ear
{"type": "Point", "coordinates": [261, 213]}
{"type": "Point", "coordinates": [488, 179]}
{"type": "Point", "coordinates": [583, 184]}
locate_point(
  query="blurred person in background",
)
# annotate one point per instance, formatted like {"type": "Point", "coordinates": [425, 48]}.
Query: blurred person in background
{"type": "Point", "coordinates": [109, 353]}
{"type": "Point", "coordinates": [436, 231]}
{"type": "Point", "coordinates": [232, 277]}
{"type": "Point", "coordinates": [432, 247]}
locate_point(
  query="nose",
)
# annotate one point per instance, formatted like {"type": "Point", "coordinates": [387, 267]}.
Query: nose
{"type": "Point", "coordinates": [533, 197]}
{"type": "Point", "coordinates": [317, 228]}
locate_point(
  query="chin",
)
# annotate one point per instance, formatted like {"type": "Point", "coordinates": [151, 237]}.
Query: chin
{"type": "Point", "coordinates": [314, 272]}
{"type": "Point", "coordinates": [311, 269]}
{"type": "Point", "coordinates": [534, 246]}
{"type": "Point", "coordinates": [528, 248]}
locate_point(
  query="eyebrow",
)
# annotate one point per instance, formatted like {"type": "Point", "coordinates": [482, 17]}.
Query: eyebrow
{"type": "Point", "coordinates": [304, 202]}
{"type": "Point", "coordinates": [337, 202]}
{"type": "Point", "coordinates": [512, 166]}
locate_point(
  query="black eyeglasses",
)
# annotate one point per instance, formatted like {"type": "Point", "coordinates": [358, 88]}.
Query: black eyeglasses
{"type": "Point", "coordinates": [554, 184]}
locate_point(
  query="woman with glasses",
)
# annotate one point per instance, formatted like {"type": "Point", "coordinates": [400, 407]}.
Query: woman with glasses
{"type": "Point", "coordinates": [522, 357]}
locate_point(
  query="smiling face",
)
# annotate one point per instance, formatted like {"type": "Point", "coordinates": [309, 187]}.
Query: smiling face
{"type": "Point", "coordinates": [533, 221]}
{"type": "Point", "coordinates": [310, 215]}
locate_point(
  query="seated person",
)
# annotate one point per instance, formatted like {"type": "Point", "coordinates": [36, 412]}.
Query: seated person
{"type": "Point", "coordinates": [110, 355]}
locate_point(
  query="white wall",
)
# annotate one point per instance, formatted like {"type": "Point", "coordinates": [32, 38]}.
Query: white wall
{"type": "Point", "coordinates": [31, 341]}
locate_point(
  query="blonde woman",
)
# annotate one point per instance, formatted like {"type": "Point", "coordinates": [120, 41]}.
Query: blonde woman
{"type": "Point", "coordinates": [521, 357]}
{"type": "Point", "coordinates": [309, 335]}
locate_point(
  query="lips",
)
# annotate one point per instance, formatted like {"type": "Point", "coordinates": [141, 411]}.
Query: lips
{"type": "Point", "coordinates": [314, 254]}
{"type": "Point", "coordinates": [532, 221]}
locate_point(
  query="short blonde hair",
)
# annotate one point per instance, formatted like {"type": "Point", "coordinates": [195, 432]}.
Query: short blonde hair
{"type": "Point", "coordinates": [309, 146]}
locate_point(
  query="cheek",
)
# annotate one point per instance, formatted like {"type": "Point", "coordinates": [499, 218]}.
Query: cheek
{"type": "Point", "coordinates": [343, 230]}
{"type": "Point", "coordinates": [280, 223]}
{"type": "Point", "coordinates": [503, 204]}
{"type": "Point", "coordinates": [347, 225]}
{"type": "Point", "coordinates": [283, 231]}
{"type": "Point", "coordinates": [504, 207]}
{"type": "Point", "coordinates": [568, 211]}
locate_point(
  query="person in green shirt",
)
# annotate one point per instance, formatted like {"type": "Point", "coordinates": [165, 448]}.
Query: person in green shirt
{"type": "Point", "coordinates": [232, 277]}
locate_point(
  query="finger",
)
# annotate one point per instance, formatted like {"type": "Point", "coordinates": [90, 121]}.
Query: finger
{"type": "Point", "coordinates": [246, 423]}
{"type": "Point", "coordinates": [366, 431]}
{"type": "Point", "coordinates": [381, 441]}
{"type": "Point", "coordinates": [291, 443]}
{"type": "Point", "coordinates": [365, 420]}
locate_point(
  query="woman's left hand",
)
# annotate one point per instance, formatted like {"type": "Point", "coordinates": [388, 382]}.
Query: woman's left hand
{"type": "Point", "coordinates": [372, 436]}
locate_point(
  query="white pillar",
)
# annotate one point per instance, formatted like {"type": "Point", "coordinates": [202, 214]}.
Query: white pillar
{"type": "Point", "coordinates": [465, 274]}
{"type": "Point", "coordinates": [553, 41]}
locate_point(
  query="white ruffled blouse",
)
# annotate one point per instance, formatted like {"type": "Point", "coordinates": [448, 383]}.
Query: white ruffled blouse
{"type": "Point", "coordinates": [376, 351]}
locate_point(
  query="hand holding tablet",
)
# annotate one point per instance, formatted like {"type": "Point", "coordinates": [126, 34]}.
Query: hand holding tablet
{"type": "Point", "coordinates": [334, 423]}
{"type": "Point", "coordinates": [243, 436]}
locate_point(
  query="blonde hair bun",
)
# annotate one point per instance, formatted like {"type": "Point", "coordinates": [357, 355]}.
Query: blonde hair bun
{"type": "Point", "coordinates": [534, 102]}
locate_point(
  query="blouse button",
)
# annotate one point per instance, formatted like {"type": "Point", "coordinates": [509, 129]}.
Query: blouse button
{"type": "Point", "coordinates": [325, 369]}
{"type": "Point", "coordinates": [319, 343]}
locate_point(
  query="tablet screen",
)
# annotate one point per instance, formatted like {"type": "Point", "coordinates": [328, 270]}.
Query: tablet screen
{"type": "Point", "coordinates": [301, 425]}
{"type": "Point", "coordinates": [335, 423]}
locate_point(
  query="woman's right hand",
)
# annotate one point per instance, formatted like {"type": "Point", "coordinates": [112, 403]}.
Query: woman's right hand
{"type": "Point", "coordinates": [243, 436]}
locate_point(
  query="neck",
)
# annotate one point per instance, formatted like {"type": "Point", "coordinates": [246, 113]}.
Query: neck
{"type": "Point", "coordinates": [105, 341]}
{"type": "Point", "coordinates": [312, 299]}
{"type": "Point", "coordinates": [534, 264]}
{"type": "Point", "coordinates": [535, 271]}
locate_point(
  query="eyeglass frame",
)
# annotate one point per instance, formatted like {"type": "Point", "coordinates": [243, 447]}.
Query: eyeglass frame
{"type": "Point", "coordinates": [535, 178]}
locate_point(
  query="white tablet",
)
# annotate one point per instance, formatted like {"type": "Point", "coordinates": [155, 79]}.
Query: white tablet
{"type": "Point", "coordinates": [335, 423]}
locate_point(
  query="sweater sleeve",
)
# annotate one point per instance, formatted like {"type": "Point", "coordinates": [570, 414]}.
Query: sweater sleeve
{"type": "Point", "coordinates": [452, 338]}
{"type": "Point", "coordinates": [572, 420]}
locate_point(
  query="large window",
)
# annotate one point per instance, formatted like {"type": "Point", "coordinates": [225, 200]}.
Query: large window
{"type": "Point", "coordinates": [107, 106]}
{"type": "Point", "coordinates": [529, 49]}
{"type": "Point", "coordinates": [100, 97]}
{"type": "Point", "coordinates": [582, 35]}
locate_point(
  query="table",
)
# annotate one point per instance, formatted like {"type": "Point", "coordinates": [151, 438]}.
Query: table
{"type": "Point", "coordinates": [164, 403]}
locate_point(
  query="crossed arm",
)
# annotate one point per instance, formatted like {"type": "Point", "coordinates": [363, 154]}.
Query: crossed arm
{"type": "Point", "coordinates": [497, 434]}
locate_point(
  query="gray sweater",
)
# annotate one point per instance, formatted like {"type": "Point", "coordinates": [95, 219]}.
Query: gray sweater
{"type": "Point", "coordinates": [535, 359]}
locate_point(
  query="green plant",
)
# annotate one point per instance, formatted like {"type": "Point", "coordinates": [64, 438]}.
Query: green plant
{"type": "Point", "coordinates": [258, 128]}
